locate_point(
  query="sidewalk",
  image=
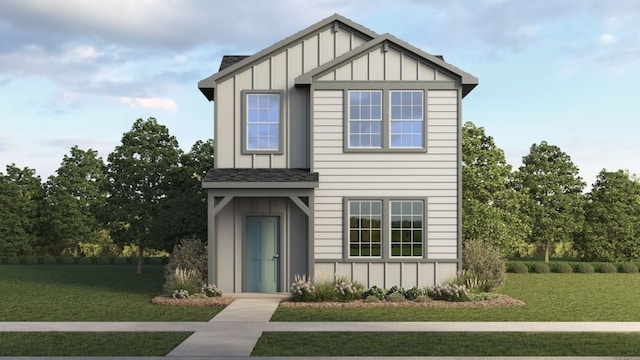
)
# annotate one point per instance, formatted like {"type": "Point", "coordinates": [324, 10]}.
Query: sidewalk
{"type": "Point", "coordinates": [234, 331]}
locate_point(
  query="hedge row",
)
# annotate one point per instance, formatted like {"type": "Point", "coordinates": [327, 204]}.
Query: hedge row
{"type": "Point", "coordinates": [76, 260]}
{"type": "Point", "coordinates": [572, 267]}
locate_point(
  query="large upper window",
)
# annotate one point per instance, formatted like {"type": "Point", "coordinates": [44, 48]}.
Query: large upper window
{"type": "Point", "coordinates": [365, 225]}
{"type": "Point", "coordinates": [406, 228]}
{"type": "Point", "coordinates": [365, 119]}
{"type": "Point", "coordinates": [263, 122]}
{"type": "Point", "coordinates": [386, 120]}
{"type": "Point", "coordinates": [406, 119]}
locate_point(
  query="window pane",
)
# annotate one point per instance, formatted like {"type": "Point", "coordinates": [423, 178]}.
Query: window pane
{"type": "Point", "coordinates": [406, 119]}
{"type": "Point", "coordinates": [364, 227]}
{"type": "Point", "coordinates": [406, 234]}
{"type": "Point", "coordinates": [263, 121]}
{"type": "Point", "coordinates": [365, 118]}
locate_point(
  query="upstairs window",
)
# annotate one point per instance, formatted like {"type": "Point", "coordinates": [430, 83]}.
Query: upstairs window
{"type": "Point", "coordinates": [406, 119]}
{"type": "Point", "coordinates": [365, 119]}
{"type": "Point", "coordinates": [263, 122]}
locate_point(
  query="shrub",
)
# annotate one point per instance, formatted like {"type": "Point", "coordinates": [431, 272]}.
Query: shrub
{"type": "Point", "coordinates": [396, 297]}
{"type": "Point", "coordinates": [520, 268]}
{"type": "Point", "coordinates": [422, 299]}
{"type": "Point", "coordinates": [394, 289]}
{"type": "Point", "coordinates": [49, 260]}
{"type": "Point", "coordinates": [120, 261]}
{"type": "Point", "coordinates": [84, 261]}
{"type": "Point", "coordinates": [564, 268]}
{"type": "Point", "coordinates": [541, 268]}
{"type": "Point", "coordinates": [629, 268]}
{"type": "Point", "coordinates": [302, 289]}
{"type": "Point", "coordinates": [14, 260]}
{"type": "Point", "coordinates": [486, 264]}
{"type": "Point", "coordinates": [188, 254]}
{"type": "Point", "coordinates": [449, 292]}
{"type": "Point", "coordinates": [608, 268]}
{"type": "Point", "coordinates": [371, 299]}
{"type": "Point", "coordinates": [413, 293]}
{"type": "Point", "coordinates": [347, 290]}
{"type": "Point", "coordinates": [31, 260]}
{"type": "Point", "coordinates": [103, 260]}
{"type": "Point", "coordinates": [182, 279]}
{"type": "Point", "coordinates": [379, 293]}
{"type": "Point", "coordinates": [585, 268]}
{"type": "Point", "coordinates": [211, 290]}
{"type": "Point", "coordinates": [325, 290]}
{"type": "Point", "coordinates": [66, 260]}
{"type": "Point", "coordinates": [180, 294]}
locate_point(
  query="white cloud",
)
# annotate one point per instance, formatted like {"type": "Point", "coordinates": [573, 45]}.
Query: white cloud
{"type": "Point", "coordinates": [152, 103]}
{"type": "Point", "coordinates": [608, 39]}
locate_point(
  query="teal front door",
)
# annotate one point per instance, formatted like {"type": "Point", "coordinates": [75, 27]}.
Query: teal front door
{"type": "Point", "coordinates": [262, 267]}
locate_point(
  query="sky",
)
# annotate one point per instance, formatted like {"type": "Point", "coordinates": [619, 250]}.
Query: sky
{"type": "Point", "coordinates": [77, 72]}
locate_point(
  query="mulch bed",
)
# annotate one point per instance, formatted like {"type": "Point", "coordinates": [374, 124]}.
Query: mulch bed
{"type": "Point", "coordinates": [212, 301]}
{"type": "Point", "coordinates": [502, 300]}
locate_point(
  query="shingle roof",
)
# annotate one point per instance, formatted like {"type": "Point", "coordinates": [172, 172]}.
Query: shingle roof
{"type": "Point", "coordinates": [229, 60]}
{"type": "Point", "coordinates": [260, 175]}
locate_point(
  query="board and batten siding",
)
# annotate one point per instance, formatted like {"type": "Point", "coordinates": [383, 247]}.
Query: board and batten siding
{"type": "Point", "coordinates": [278, 72]}
{"type": "Point", "coordinates": [432, 175]}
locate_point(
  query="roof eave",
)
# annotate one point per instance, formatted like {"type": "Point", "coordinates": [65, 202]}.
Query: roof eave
{"type": "Point", "coordinates": [259, 185]}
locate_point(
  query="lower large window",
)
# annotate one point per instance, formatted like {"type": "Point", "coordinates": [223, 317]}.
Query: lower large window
{"type": "Point", "coordinates": [365, 225]}
{"type": "Point", "coordinates": [380, 228]}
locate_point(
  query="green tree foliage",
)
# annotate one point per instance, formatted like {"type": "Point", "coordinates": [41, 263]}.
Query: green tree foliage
{"type": "Point", "coordinates": [74, 196]}
{"type": "Point", "coordinates": [184, 213]}
{"type": "Point", "coordinates": [550, 179]}
{"type": "Point", "coordinates": [612, 219]}
{"type": "Point", "coordinates": [491, 207]}
{"type": "Point", "coordinates": [21, 198]}
{"type": "Point", "coordinates": [138, 180]}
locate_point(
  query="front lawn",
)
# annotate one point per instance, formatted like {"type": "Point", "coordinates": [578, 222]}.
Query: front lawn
{"type": "Point", "coordinates": [447, 344]}
{"type": "Point", "coordinates": [88, 293]}
{"type": "Point", "coordinates": [89, 344]}
{"type": "Point", "coordinates": [548, 297]}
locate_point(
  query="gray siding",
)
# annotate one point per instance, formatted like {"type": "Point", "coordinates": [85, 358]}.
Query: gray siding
{"type": "Point", "coordinates": [385, 63]}
{"type": "Point", "coordinates": [432, 175]}
{"type": "Point", "coordinates": [276, 72]}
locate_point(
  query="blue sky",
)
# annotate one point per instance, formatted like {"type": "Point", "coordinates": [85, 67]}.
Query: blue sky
{"type": "Point", "coordinates": [76, 72]}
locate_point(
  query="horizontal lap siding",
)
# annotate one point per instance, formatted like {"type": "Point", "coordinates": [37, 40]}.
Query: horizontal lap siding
{"type": "Point", "coordinates": [432, 174]}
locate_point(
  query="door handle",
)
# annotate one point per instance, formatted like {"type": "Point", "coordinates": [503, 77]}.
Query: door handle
{"type": "Point", "coordinates": [276, 256]}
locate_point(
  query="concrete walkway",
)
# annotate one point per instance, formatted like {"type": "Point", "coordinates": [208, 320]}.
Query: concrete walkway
{"type": "Point", "coordinates": [234, 331]}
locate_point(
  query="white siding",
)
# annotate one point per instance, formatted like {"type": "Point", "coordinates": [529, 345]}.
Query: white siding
{"type": "Point", "coordinates": [432, 175]}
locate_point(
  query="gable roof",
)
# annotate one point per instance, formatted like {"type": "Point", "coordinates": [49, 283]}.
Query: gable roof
{"type": "Point", "coordinates": [467, 80]}
{"type": "Point", "coordinates": [208, 84]}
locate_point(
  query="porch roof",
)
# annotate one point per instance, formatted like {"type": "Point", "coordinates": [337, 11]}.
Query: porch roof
{"type": "Point", "coordinates": [260, 178]}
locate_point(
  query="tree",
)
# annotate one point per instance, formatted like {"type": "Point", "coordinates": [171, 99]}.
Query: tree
{"type": "Point", "coordinates": [184, 213]}
{"type": "Point", "coordinates": [21, 196]}
{"type": "Point", "coordinates": [73, 198]}
{"type": "Point", "coordinates": [612, 219]}
{"type": "Point", "coordinates": [491, 207]}
{"type": "Point", "coordinates": [138, 182]}
{"type": "Point", "coordinates": [550, 179]}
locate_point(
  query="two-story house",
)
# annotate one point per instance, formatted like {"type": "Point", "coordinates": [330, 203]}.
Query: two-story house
{"type": "Point", "coordinates": [337, 152]}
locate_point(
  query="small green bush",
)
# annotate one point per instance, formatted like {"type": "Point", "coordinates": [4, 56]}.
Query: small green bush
{"type": "Point", "coordinates": [66, 260]}
{"type": "Point", "coordinates": [49, 260]}
{"type": "Point", "coordinates": [325, 290]}
{"type": "Point", "coordinates": [394, 289]}
{"type": "Point", "coordinates": [485, 264]}
{"type": "Point", "coordinates": [564, 268]}
{"type": "Point", "coordinates": [541, 268]}
{"type": "Point", "coordinates": [85, 261]}
{"type": "Point", "coordinates": [379, 293]}
{"type": "Point", "coordinates": [120, 261]}
{"type": "Point", "coordinates": [629, 268]}
{"type": "Point", "coordinates": [31, 260]}
{"type": "Point", "coordinates": [182, 279]}
{"type": "Point", "coordinates": [608, 268]}
{"type": "Point", "coordinates": [422, 299]}
{"type": "Point", "coordinates": [396, 297]}
{"type": "Point", "coordinates": [302, 288]}
{"type": "Point", "coordinates": [210, 290]}
{"type": "Point", "coordinates": [449, 292]}
{"type": "Point", "coordinates": [585, 268]}
{"type": "Point", "coordinates": [519, 268]}
{"type": "Point", "coordinates": [103, 260]}
{"type": "Point", "coordinates": [413, 293]}
{"type": "Point", "coordinates": [190, 254]}
{"type": "Point", "coordinates": [14, 260]}
{"type": "Point", "coordinates": [346, 290]}
{"type": "Point", "coordinates": [371, 299]}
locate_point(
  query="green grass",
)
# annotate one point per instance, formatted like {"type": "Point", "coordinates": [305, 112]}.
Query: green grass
{"type": "Point", "coordinates": [447, 344]}
{"type": "Point", "coordinates": [548, 297]}
{"type": "Point", "coordinates": [89, 344]}
{"type": "Point", "coordinates": [88, 293]}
